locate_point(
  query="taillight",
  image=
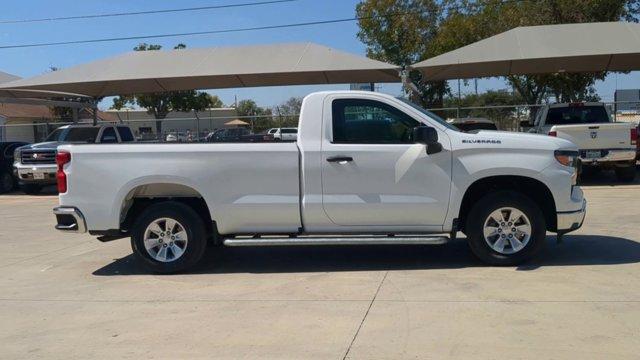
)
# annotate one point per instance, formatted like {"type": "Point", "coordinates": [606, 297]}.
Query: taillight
{"type": "Point", "coordinates": [634, 136]}
{"type": "Point", "coordinates": [62, 158]}
{"type": "Point", "coordinates": [553, 133]}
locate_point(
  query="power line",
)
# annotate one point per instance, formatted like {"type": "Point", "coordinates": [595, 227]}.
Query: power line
{"type": "Point", "coordinates": [222, 31]}
{"type": "Point", "coordinates": [21, 21]}
{"type": "Point", "coordinates": [213, 32]}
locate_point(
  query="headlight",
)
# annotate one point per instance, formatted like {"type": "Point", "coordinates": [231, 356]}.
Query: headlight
{"type": "Point", "coordinates": [569, 158]}
{"type": "Point", "coordinates": [16, 155]}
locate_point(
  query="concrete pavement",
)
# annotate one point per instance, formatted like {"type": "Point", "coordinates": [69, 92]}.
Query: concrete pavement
{"type": "Point", "coordinates": [69, 296]}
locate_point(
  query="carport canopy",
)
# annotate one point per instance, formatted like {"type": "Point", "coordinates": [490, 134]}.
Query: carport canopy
{"type": "Point", "coordinates": [42, 97]}
{"type": "Point", "coordinates": [236, 122]}
{"type": "Point", "coordinates": [586, 47]}
{"type": "Point", "coordinates": [213, 68]}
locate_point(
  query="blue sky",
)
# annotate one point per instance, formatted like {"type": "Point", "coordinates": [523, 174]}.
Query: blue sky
{"type": "Point", "coordinates": [33, 61]}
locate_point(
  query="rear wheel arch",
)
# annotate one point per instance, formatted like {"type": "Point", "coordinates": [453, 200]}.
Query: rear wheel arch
{"type": "Point", "coordinates": [532, 188]}
{"type": "Point", "coordinates": [142, 196]}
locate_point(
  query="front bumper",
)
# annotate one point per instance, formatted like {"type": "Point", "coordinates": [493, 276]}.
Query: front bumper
{"type": "Point", "coordinates": [70, 219]}
{"type": "Point", "coordinates": [610, 155]}
{"type": "Point", "coordinates": [570, 221]}
{"type": "Point", "coordinates": [43, 174]}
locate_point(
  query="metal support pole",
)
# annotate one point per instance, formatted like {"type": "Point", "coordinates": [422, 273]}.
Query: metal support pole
{"type": "Point", "coordinates": [197, 125]}
{"type": "Point", "coordinates": [95, 111]}
{"type": "Point", "coordinates": [459, 101]}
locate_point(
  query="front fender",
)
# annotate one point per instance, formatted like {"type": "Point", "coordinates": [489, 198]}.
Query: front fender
{"type": "Point", "coordinates": [471, 165]}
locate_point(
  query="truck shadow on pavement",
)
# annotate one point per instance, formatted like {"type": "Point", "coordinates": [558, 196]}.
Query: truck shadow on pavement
{"type": "Point", "coordinates": [575, 250]}
{"type": "Point", "coordinates": [607, 178]}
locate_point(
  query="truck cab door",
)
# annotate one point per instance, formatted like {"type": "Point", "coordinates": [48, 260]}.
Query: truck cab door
{"type": "Point", "coordinates": [374, 174]}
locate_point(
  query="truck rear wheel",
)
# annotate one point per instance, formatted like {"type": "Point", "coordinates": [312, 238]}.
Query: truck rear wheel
{"type": "Point", "coordinates": [626, 174]}
{"type": "Point", "coordinates": [169, 237]}
{"type": "Point", "coordinates": [505, 228]}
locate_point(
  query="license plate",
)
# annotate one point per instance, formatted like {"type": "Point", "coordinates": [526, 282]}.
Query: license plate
{"type": "Point", "coordinates": [38, 176]}
{"type": "Point", "coordinates": [592, 154]}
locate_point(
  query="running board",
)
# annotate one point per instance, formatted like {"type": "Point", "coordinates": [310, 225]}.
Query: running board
{"type": "Point", "coordinates": [306, 241]}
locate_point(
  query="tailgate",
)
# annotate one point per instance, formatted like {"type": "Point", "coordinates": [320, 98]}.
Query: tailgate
{"type": "Point", "coordinates": [596, 136]}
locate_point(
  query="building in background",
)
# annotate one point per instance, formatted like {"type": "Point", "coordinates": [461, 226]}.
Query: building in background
{"type": "Point", "coordinates": [627, 106]}
{"type": "Point", "coordinates": [199, 125]}
{"type": "Point", "coordinates": [19, 122]}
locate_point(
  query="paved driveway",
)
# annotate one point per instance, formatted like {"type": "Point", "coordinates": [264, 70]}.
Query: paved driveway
{"type": "Point", "coordinates": [69, 296]}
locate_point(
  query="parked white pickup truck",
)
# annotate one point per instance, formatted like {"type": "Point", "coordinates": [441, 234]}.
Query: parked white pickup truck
{"type": "Point", "coordinates": [366, 168]}
{"type": "Point", "coordinates": [602, 143]}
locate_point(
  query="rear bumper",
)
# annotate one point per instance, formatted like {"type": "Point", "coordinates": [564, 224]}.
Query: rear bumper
{"type": "Point", "coordinates": [608, 155]}
{"type": "Point", "coordinates": [570, 221]}
{"type": "Point", "coordinates": [70, 219]}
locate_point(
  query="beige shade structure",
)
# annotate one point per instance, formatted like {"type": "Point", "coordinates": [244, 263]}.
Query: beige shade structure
{"type": "Point", "coordinates": [6, 77]}
{"type": "Point", "coordinates": [587, 47]}
{"type": "Point", "coordinates": [40, 97]}
{"type": "Point", "coordinates": [236, 122]}
{"type": "Point", "coordinates": [213, 68]}
{"type": "Point", "coordinates": [40, 94]}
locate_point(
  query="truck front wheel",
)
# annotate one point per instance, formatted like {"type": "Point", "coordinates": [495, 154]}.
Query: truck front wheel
{"type": "Point", "coordinates": [169, 237]}
{"type": "Point", "coordinates": [505, 228]}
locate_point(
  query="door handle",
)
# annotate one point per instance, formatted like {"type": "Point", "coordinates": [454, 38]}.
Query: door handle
{"type": "Point", "coordinates": [340, 159]}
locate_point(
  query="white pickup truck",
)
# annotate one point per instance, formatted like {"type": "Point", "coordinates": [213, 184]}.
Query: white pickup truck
{"type": "Point", "coordinates": [603, 144]}
{"type": "Point", "coordinates": [366, 168]}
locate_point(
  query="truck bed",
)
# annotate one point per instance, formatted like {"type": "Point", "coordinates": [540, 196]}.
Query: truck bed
{"type": "Point", "coordinates": [248, 186]}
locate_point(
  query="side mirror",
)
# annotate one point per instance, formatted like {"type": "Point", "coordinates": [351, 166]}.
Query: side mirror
{"type": "Point", "coordinates": [428, 136]}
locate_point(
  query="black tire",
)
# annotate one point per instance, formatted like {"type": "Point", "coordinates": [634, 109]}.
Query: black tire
{"type": "Point", "coordinates": [626, 174]}
{"type": "Point", "coordinates": [7, 182]}
{"type": "Point", "coordinates": [193, 226]}
{"type": "Point", "coordinates": [480, 213]}
{"type": "Point", "coordinates": [31, 189]}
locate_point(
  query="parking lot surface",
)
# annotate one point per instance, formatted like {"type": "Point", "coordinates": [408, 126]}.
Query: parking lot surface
{"type": "Point", "coordinates": [70, 296]}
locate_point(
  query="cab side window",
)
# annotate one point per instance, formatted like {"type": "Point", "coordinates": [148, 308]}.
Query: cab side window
{"type": "Point", "coordinates": [360, 121]}
{"type": "Point", "coordinates": [109, 136]}
{"type": "Point", "coordinates": [125, 134]}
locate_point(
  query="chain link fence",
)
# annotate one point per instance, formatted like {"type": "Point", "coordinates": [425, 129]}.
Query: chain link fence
{"type": "Point", "coordinates": [179, 129]}
{"type": "Point", "coordinates": [516, 118]}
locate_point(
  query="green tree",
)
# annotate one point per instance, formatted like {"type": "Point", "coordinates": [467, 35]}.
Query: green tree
{"type": "Point", "coordinates": [288, 112]}
{"type": "Point", "coordinates": [505, 117]}
{"type": "Point", "coordinates": [161, 104]}
{"type": "Point", "coordinates": [467, 22]}
{"type": "Point", "coordinates": [400, 32]}
{"type": "Point", "coordinates": [259, 117]}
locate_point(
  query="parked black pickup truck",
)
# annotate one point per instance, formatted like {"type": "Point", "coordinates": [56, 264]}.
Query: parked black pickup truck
{"type": "Point", "coordinates": [7, 180]}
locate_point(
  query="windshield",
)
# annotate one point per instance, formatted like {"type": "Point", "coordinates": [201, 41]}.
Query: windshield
{"type": "Point", "coordinates": [77, 134]}
{"type": "Point", "coordinates": [431, 115]}
{"type": "Point", "coordinates": [577, 115]}
{"type": "Point", "coordinates": [57, 133]}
